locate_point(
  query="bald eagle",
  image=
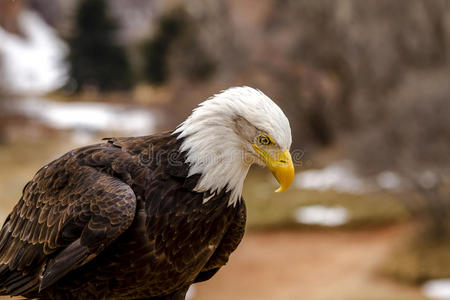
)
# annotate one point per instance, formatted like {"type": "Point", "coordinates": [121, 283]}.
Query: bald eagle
{"type": "Point", "coordinates": [144, 217]}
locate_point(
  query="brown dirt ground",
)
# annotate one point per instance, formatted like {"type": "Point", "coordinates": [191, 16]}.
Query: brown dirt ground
{"type": "Point", "coordinates": [309, 265]}
{"type": "Point", "coordinates": [319, 265]}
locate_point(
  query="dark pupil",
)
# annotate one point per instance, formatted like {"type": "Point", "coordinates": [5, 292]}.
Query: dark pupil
{"type": "Point", "coordinates": [264, 140]}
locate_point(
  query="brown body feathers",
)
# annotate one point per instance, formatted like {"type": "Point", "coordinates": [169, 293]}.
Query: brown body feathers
{"type": "Point", "coordinates": [116, 220]}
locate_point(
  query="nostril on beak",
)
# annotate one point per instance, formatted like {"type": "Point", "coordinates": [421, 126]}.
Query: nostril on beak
{"type": "Point", "coordinates": [283, 161]}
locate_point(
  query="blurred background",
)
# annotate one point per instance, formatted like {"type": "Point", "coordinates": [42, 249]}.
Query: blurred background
{"type": "Point", "coordinates": [365, 85]}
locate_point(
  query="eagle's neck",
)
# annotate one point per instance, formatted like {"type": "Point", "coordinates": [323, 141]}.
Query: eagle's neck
{"type": "Point", "coordinates": [214, 151]}
{"type": "Point", "coordinates": [219, 168]}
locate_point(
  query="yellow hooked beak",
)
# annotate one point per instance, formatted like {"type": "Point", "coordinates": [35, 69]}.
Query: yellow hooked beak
{"type": "Point", "coordinates": [281, 167]}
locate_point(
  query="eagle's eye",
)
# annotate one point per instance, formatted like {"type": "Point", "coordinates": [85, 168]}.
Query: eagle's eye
{"type": "Point", "coordinates": [264, 140]}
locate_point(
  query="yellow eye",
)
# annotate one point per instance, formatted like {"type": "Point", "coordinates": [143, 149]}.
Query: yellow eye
{"type": "Point", "coordinates": [263, 140]}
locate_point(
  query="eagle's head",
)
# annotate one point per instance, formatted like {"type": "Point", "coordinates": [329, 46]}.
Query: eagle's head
{"type": "Point", "coordinates": [229, 132]}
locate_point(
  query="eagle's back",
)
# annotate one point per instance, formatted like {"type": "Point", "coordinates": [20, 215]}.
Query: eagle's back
{"type": "Point", "coordinates": [169, 240]}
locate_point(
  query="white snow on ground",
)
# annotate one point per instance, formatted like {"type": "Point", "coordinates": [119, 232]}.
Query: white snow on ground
{"type": "Point", "coordinates": [88, 117]}
{"type": "Point", "coordinates": [321, 215]}
{"type": "Point", "coordinates": [388, 180]}
{"type": "Point", "coordinates": [339, 176]}
{"type": "Point", "coordinates": [32, 64]}
{"type": "Point", "coordinates": [428, 179]}
{"type": "Point", "coordinates": [437, 289]}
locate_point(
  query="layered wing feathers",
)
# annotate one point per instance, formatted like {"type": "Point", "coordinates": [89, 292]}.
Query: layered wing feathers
{"type": "Point", "coordinates": [68, 213]}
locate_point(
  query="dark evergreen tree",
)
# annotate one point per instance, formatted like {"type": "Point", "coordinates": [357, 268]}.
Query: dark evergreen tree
{"type": "Point", "coordinates": [156, 49]}
{"type": "Point", "coordinates": [96, 58]}
{"type": "Point", "coordinates": [175, 40]}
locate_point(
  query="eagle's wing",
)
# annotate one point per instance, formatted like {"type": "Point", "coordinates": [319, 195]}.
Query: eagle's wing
{"type": "Point", "coordinates": [67, 215]}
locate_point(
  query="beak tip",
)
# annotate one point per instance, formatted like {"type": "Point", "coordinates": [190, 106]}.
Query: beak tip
{"type": "Point", "coordinates": [283, 170]}
{"type": "Point", "coordinates": [279, 190]}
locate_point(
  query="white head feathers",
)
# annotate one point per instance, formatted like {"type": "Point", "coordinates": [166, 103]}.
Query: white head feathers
{"type": "Point", "coordinates": [218, 137]}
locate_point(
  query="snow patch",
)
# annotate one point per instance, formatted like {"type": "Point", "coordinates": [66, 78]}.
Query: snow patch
{"type": "Point", "coordinates": [388, 180]}
{"type": "Point", "coordinates": [321, 215]}
{"type": "Point", "coordinates": [339, 176]}
{"type": "Point", "coordinates": [428, 179]}
{"type": "Point", "coordinates": [33, 64]}
{"type": "Point", "coordinates": [437, 289]}
{"type": "Point", "coordinates": [88, 117]}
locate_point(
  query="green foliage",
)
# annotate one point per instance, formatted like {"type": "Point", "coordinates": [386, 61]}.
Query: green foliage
{"type": "Point", "coordinates": [175, 41]}
{"type": "Point", "coordinates": [95, 57]}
